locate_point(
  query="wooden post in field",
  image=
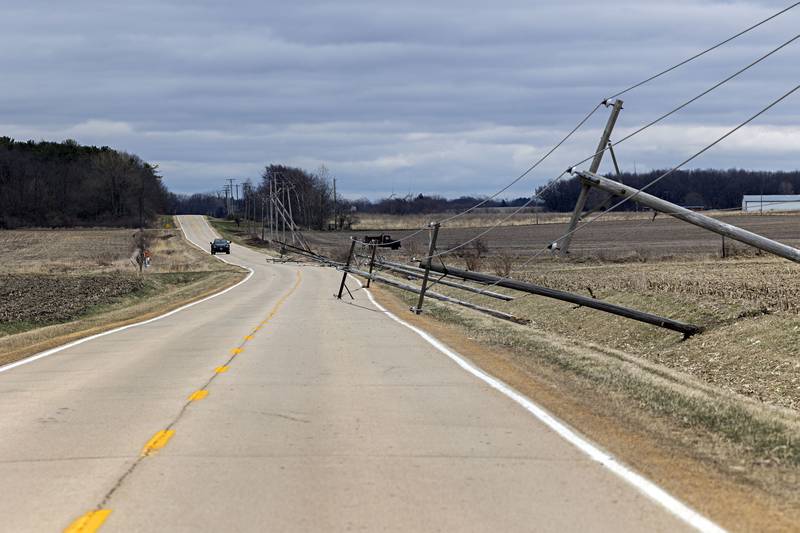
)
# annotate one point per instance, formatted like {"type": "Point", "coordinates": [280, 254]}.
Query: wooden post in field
{"type": "Point", "coordinates": [584, 194]}
{"type": "Point", "coordinates": [428, 259]}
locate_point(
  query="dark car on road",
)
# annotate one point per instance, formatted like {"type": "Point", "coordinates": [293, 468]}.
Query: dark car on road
{"type": "Point", "coordinates": [220, 245]}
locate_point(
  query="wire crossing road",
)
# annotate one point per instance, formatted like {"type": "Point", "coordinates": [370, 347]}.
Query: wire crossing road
{"type": "Point", "coordinates": [275, 407]}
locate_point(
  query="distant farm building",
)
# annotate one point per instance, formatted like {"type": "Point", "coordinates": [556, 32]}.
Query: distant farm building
{"type": "Point", "coordinates": [770, 202]}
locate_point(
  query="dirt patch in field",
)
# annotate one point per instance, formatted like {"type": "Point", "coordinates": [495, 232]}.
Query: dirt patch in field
{"type": "Point", "coordinates": [43, 299]}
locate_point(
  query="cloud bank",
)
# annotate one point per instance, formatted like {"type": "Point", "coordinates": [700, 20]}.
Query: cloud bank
{"type": "Point", "coordinates": [446, 97]}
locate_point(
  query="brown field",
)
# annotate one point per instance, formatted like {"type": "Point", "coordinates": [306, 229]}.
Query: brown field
{"type": "Point", "coordinates": [58, 285]}
{"type": "Point", "coordinates": [83, 251]}
{"type": "Point", "coordinates": [635, 238]}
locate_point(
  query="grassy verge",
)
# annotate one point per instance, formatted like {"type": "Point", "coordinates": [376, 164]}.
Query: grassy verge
{"type": "Point", "coordinates": [238, 234]}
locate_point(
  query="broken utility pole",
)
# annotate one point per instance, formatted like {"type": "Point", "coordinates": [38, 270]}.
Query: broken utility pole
{"type": "Point", "coordinates": [687, 329]}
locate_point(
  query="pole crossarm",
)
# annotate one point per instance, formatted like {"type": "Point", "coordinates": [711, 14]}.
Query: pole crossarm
{"type": "Point", "coordinates": [755, 240]}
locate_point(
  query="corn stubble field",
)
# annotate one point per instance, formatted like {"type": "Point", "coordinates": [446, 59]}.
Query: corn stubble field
{"type": "Point", "coordinates": [738, 383]}
{"type": "Point", "coordinates": [55, 283]}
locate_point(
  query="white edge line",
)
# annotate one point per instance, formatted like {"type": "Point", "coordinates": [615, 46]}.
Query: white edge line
{"type": "Point", "coordinates": [47, 353]}
{"type": "Point", "coordinates": [642, 484]}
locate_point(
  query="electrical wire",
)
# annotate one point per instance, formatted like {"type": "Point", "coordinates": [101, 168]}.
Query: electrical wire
{"type": "Point", "coordinates": [704, 52]}
{"type": "Point", "coordinates": [530, 168]}
{"type": "Point", "coordinates": [627, 137]}
{"type": "Point", "coordinates": [692, 100]}
{"type": "Point", "coordinates": [604, 102]}
{"type": "Point", "coordinates": [659, 178]}
{"type": "Point", "coordinates": [632, 87]}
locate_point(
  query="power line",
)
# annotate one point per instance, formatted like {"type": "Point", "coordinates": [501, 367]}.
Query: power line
{"type": "Point", "coordinates": [694, 98]}
{"type": "Point", "coordinates": [664, 175]}
{"type": "Point", "coordinates": [605, 102]}
{"type": "Point", "coordinates": [630, 88]}
{"type": "Point", "coordinates": [531, 168]}
{"type": "Point", "coordinates": [636, 132]}
{"type": "Point", "coordinates": [704, 52]}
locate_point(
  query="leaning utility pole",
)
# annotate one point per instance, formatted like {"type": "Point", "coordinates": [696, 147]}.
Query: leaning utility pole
{"type": "Point", "coordinates": [584, 194]}
{"type": "Point", "coordinates": [590, 179]}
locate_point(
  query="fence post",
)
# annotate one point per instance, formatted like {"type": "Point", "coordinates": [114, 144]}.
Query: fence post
{"type": "Point", "coordinates": [431, 251]}
{"type": "Point", "coordinates": [372, 263]}
{"type": "Point", "coordinates": [347, 266]}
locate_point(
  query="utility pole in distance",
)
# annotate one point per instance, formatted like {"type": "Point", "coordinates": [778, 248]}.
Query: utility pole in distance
{"type": "Point", "coordinates": [335, 218]}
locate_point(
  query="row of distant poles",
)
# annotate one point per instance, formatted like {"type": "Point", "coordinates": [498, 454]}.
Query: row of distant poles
{"type": "Point", "coordinates": [267, 210]}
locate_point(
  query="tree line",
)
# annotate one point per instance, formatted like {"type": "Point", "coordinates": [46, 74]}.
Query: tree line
{"type": "Point", "coordinates": [49, 184]}
{"type": "Point", "coordinates": [307, 197]}
{"type": "Point", "coordinates": [708, 189]}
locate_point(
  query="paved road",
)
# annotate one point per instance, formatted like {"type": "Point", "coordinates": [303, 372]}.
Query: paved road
{"type": "Point", "coordinates": [331, 417]}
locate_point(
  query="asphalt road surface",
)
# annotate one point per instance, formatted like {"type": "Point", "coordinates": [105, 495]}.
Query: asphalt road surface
{"type": "Point", "coordinates": [319, 415]}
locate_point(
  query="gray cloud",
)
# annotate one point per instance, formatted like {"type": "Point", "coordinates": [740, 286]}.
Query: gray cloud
{"type": "Point", "coordinates": [448, 97]}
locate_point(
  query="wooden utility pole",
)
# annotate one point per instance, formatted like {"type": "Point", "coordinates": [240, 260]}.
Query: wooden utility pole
{"type": "Point", "coordinates": [347, 266]}
{"type": "Point", "coordinates": [584, 194]}
{"type": "Point", "coordinates": [335, 218]}
{"type": "Point", "coordinates": [692, 217]}
{"type": "Point", "coordinates": [428, 261]}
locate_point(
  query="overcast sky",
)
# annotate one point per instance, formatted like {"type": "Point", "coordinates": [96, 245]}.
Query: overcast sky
{"type": "Point", "coordinates": [448, 97]}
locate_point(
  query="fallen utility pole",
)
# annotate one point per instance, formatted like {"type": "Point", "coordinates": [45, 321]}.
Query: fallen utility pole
{"type": "Point", "coordinates": [418, 273]}
{"type": "Point", "coordinates": [687, 329]}
{"type": "Point", "coordinates": [436, 296]}
{"type": "Point", "coordinates": [692, 217]}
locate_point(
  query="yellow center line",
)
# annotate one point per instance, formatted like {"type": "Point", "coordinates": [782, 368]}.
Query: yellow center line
{"type": "Point", "coordinates": [198, 395]}
{"type": "Point", "coordinates": [248, 337]}
{"type": "Point", "coordinates": [158, 441]}
{"type": "Point", "coordinates": [237, 351]}
{"type": "Point", "coordinates": [221, 369]}
{"type": "Point", "coordinates": [89, 523]}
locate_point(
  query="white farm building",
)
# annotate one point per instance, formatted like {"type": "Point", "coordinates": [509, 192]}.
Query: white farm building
{"type": "Point", "coordinates": [770, 202]}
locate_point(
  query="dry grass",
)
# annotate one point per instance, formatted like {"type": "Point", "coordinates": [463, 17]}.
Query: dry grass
{"type": "Point", "coordinates": [484, 218]}
{"type": "Point", "coordinates": [96, 251]}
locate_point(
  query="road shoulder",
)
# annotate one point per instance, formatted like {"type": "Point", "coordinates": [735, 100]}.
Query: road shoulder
{"type": "Point", "coordinates": [652, 446]}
